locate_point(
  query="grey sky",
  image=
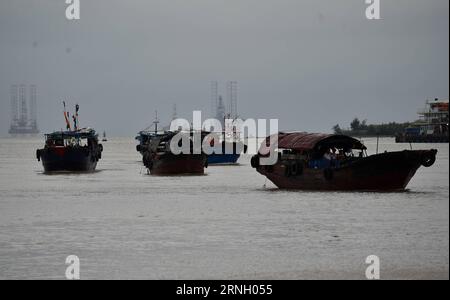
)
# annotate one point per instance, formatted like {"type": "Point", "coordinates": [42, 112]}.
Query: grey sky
{"type": "Point", "coordinates": [311, 64]}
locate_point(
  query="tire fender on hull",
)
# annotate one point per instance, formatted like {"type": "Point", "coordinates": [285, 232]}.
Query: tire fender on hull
{"type": "Point", "coordinates": [254, 161]}
{"type": "Point", "coordinates": [38, 155]}
{"type": "Point", "coordinates": [428, 158]}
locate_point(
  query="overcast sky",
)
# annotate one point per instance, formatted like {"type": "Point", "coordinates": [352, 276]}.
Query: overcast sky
{"type": "Point", "coordinates": [311, 64]}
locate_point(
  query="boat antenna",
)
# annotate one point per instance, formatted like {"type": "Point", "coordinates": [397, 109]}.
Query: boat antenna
{"type": "Point", "coordinates": [224, 129]}
{"type": "Point", "coordinates": [174, 112]}
{"type": "Point", "coordinates": [77, 108]}
{"type": "Point", "coordinates": [156, 122]}
{"type": "Point", "coordinates": [74, 123]}
{"type": "Point", "coordinates": [378, 140]}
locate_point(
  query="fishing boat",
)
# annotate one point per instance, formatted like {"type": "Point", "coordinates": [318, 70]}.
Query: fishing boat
{"type": "Point", "coordinates": [160, 159]}
{"type": "Point", "coordinates": [224, 158]}
{"type": "Point", "coordinates": [312, 161]}
{"type": "Point", "coordinates": [432, 125]}
{"type": "Point", "coordinates": [157, 156]}
{"type": "Point", "coordinates": [71, 150]}
{"type": "Point", "coordinates": [229, 151]}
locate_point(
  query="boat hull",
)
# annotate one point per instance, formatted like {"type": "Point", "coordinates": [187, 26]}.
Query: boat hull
{"type": "Point", "coordinates": [215, 159]}
{"type": "Point", "coordinates": [432, 138]}
{"type": "Point", "coordinates": [171, 164]}
{"type": "Point", "coordinates": [228, 158]}
{"type": "Point", "coordinates": [382, 172]}
{"type": "Point", "coordinates": [68, 159]}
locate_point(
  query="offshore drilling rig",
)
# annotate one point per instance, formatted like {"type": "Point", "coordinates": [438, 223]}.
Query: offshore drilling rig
{"type": "Point", "coordinates": [23, 112]}
{"type": "Point", "coordinates": [221, 109]}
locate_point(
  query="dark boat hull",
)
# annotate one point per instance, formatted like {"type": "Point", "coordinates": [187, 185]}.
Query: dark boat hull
{"type": "Point", "coordinates": [432, 138]}
{"type": "Point", "coordinates": [215, 159]}
{"type": "Point", "coordinates": [170, 164]}
{"type": "Point", "coordinates": [382, 172]}
{"type": "Point", "coordinates": [227, 158]}
{"type": "Point", "coordinates": [68, 159]}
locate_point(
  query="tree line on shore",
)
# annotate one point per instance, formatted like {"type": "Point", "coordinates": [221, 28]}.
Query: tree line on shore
{"type": "Point", "coordinates": [361, 128]}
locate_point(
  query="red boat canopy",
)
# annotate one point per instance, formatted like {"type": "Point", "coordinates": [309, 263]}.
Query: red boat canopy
{"type": "Point", "coordinates": [303, 141]}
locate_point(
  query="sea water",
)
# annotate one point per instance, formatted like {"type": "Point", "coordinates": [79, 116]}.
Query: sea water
{"type": "Point", "coordinates": [228, 224]}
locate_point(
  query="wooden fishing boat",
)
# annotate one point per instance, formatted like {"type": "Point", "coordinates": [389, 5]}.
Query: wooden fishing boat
{"type": "Point", "coordinates": [311, 161]}
{"type": "Point", "coordinates": [229, 153]}
{"type": "Point", "coordinates": [70, 151]}
{"type": "Point", "coordinates": [159, 159]}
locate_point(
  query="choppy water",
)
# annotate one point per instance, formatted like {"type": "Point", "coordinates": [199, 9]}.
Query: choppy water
{"type": "Point", "coordinates": [124, 224]}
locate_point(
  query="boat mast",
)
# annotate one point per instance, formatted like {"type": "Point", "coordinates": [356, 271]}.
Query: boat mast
{"type": "Point", "coordinates": [77, 108]}
{"type": "Point", "coordinates": [224, 129]}
{"type": "Point", "coordinates": [156, 122]}
{"type": "Point", "coordinates": [66, 117]}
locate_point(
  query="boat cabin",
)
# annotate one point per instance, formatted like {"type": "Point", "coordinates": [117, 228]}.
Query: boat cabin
{"type": "Point", "coordinates": [79, 138]}
{"type": "Point", "coordinates": [316, 150]}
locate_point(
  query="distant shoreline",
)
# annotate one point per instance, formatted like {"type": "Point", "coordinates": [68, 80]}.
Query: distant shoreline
{"type": "Point", "coordinates": [371, 136]}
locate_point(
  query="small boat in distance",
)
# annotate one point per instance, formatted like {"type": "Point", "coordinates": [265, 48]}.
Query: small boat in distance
{"type": "Point", "coordinates": [311, 161]}
{"type": "Point", "coordinates": [104, 139]}
{"type": "Point", "coordinates": [70, 150]}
